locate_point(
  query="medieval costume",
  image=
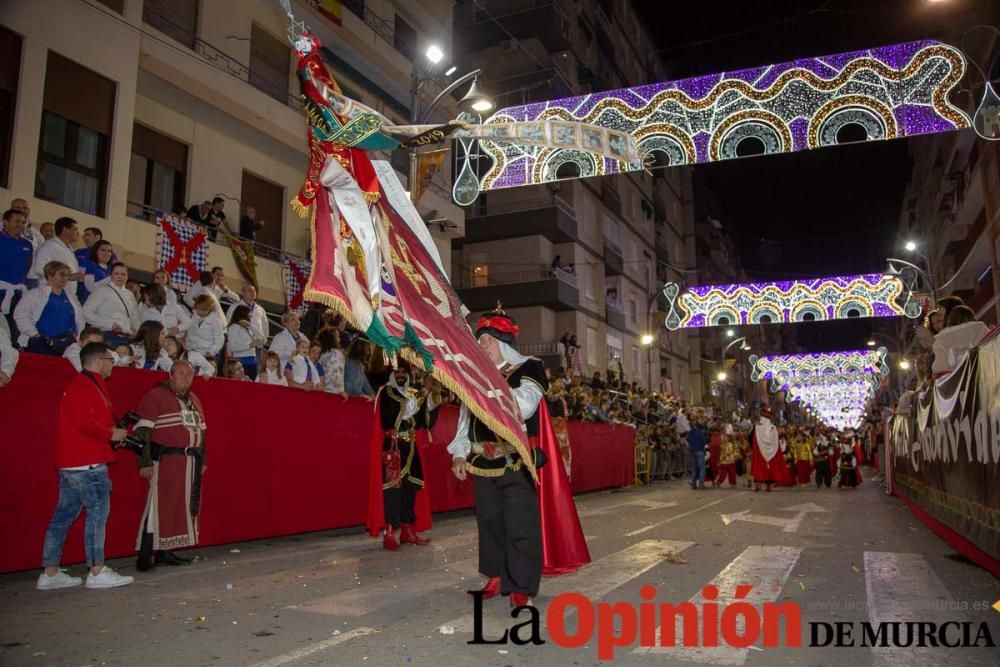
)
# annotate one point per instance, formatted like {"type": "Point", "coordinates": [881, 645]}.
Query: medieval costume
{"type": "Point", "coordinates": [727, 458]}
{"type": "Point", "coordinates": [396, 497]}
{"type": "Point", "coordinates": [803, 458]}
{"type": "Point", "coordinates": [521, 529]}
{"type": "Point", "coordinates": [559, 412]}
{"type": "Point", "coordinates": [822, 451]}
{"type": "Point", "coordinates": [767, 464]}
{"type": "Point", "coordinates": [848, 467]}
{"type": "Point", "coordinates": [172, 429]}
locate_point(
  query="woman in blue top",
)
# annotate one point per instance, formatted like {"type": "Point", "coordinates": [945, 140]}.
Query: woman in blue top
{"type": "Point", "coordinates": [355, 370]}
{"type": "Point", "coordinates": [96, 269]}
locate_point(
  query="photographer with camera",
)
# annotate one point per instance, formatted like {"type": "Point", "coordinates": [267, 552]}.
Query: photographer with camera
{"type": "Point", "coordinates": [171, 428]}
{"type": "Point", "coordinates": [86, 426]}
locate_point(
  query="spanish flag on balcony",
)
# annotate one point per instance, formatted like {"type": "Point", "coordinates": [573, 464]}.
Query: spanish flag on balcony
{"type": "Point", "coordinates": [331, 9]}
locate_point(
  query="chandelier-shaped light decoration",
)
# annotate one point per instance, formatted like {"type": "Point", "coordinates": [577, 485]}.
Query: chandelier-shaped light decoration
{"type": "Point", "coordinates": [839, 297]}
{"type": "Point", "coordinates": [876, 94]}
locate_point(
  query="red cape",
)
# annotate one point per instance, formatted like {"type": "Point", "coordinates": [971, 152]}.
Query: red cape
{"type": "Point", "coordinates": [375, 522]}
{"type": "Point", "coordinates": [761, 469]}
{"type": "Point", "coordinates": [859, 455]}
{"type": "Point", "coordinates": [564, 548]}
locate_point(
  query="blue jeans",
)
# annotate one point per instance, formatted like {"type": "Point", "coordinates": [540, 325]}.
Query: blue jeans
{"type": "Point", "coordinates": [79, 489]}
{"type": "Point", "coordinates": [698, 468]}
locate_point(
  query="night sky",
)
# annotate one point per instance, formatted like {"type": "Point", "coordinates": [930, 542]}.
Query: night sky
{"type": "Point", "coordinates": [823, 212]}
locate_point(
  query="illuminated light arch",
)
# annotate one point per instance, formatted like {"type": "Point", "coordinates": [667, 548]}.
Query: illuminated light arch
{"type": "Point", "coordinates": [872, 295]}
{"type": "Point", "coordinates": [783, 368]}
{"type": "Point", "coordinates": [892, 91]}
{"type": "Point", "coordinates": [724, 316]}
{"type": "Point", "coordinates": [663, 137]}
{"type": "Point", "coordinates": [584, 161]}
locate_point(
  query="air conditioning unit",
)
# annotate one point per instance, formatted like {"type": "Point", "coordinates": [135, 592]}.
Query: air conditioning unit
{"type": "Point", "coordinates": [508, 45]}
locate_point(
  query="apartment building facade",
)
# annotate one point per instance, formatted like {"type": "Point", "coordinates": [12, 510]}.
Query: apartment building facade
{"type": "Point", "coordinates": [587, 257]}
{"type": "Point", "coordinates": [116, 109]}
{"type": "Point", "coordinates": [951, 205]}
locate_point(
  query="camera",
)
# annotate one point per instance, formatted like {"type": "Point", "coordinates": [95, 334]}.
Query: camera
{"type": "Point", "coordinates": [130, 441]}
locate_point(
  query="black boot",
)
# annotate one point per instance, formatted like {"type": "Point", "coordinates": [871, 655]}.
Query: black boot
{"type": "Point", "coordinates": [145, 562]}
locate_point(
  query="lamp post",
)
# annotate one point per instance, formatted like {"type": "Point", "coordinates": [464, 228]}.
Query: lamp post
{"type": "Point", "coordinates": [474, 100]}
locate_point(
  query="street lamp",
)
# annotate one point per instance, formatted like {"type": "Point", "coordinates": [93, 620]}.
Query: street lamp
{"type": "Point", "coordinates": [871, 343]}
{"type": "Point", "coordinates": [910, 246]}
{"type": "Point", "coordinates": [647, 339]}
{"type": "Point", "coordinates": [434, 53]}
{"type": "Point", "coordinates": [730, 333]}
{"type": "Point", "coordinates": [721, 376]}
{"type": "Point", "coordinates": [904, 365]}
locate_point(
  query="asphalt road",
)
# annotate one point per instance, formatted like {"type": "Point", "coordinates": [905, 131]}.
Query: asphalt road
{"type": "Point", "coordinates": [339, 599]}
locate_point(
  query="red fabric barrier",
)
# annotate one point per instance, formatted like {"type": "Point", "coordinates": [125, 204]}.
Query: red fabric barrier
{"type": "Point", "coordinates": [280, 461]}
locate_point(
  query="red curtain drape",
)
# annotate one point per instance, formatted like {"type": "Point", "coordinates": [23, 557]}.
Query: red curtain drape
{"type": "Point", "coordinates": [280, 461]}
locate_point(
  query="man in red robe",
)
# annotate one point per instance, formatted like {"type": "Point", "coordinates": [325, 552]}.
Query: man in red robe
{"type": "Point", "coordinates": [768, 461]}
{"type": "Point", "coordinates": [172, 427]}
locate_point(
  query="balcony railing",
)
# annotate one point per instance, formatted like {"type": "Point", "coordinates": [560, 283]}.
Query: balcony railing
{"type": "Point", "coordinates": [539, 349]}
{"type": "Point", "coordinates": [468, 278]}
{"type": "Point", "coordinates": [518, 205]}
{"type": "Point", "coordinates": [262, 250]}
{"type": "Point", "coordinates": [218, 58]}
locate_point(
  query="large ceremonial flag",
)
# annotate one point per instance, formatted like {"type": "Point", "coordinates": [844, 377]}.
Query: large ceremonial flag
{"type": "Point", "coordinates": [181, 250]}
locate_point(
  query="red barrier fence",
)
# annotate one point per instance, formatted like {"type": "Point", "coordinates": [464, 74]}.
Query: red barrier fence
{"type": "Point", "coordinates": [280, 461]}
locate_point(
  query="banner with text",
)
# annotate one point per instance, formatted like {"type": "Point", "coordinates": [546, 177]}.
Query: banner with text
{"type": "Point", "coordinates": [946, 452]}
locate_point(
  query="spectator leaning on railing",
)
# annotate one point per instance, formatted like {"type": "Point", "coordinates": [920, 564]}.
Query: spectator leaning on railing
{"type": "Point", "coordinates": [257, 319]}
{"type": "Point", "coordinates": [244, 339]}
{"type": "Point", "coordinates": [113, 308]}
{"type": "Point", "coordinates": [49, 316]}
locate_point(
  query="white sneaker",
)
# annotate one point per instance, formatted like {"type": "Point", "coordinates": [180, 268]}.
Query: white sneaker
{"type": "Point", "coordinates": [107, 578]}
{"type": "Point", "coordinates": [59, 580]}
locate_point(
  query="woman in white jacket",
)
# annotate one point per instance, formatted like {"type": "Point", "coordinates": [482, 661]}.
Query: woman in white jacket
{"type": "Point", "coordinates": [205, 335]}
{"type": "Point", "coordinates": [113, 308]}
{"type": "Point", "coordinates": [49, 316]}
{"type": "Point", "coordinates": [174, 351]}
{"type": "Point", "coordinates": [244, 339]}
{"type": "Point", "coordinates": [174, 318]}
{"type": "Point", "coordinates": [162, 278]}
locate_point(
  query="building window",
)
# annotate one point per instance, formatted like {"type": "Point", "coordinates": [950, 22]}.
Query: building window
{"type": "Point", "coordinates": [633, 311]}
{"type": "Point", "coordinates": [270, 63]}
{"type": "Point", "coordinates": [587, 279]}
{"type": "Point", "coordinates": [635, 360]}
{"type": "Point", "coordinates": [10, 68]}
{"type": "Point", "coordinates": [177, 19]}
{"type": "Point", "coordinates": [357, 8]}
{"type": "Point", "coordinates": [404, 38]}
{"type": "Point", "coordinates": [157, 172]}
{"type": "Point", "coordinates": [268, 200]}
{"type": "Point", "coordinates": [591, 346]}
{"type": "Point", "coordinates": [77, 113]}
{"type": "Point", "coordinates": [480, 276]}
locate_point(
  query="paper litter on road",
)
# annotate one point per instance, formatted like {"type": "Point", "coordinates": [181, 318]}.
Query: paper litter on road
{"type": "Point", "coordinates": [673, 558]}
{"type": "Point", "coordinates": [234, 551]}
{"type": "Point", "coordinates": [447, 629]}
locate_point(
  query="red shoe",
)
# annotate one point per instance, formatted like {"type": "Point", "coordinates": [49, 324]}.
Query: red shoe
{"type": "Point", "coordinates": [520, 600]}
{"type": "Point", "coordinates": [409, 536]}
{"type": "Point", "coordinates": [490, 589]}
{"type": "Point", "coordinates": [389, 541]}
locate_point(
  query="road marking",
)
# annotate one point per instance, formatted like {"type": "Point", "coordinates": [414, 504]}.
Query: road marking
{"type": "Point", "coordinates": [903, 587]}
{"type": "Point", "coordinates": [370, 597]}
{"type": "Point", "coordinates": [306, 651]}
{"type": "Point", "coordinates": [766, 569]}
{"type": "Point", "coordinates": [646, 505]}
{"type": "Point", "coordinates": [789, 525]}
{"type": "Point", "coordinates": [684, 514]}
{"type": "Point", "coordinates": [594, 580]}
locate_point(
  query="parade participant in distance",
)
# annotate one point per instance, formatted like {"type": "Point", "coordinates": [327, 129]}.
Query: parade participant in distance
{"type": "Point", "coordinates": [768, 464]}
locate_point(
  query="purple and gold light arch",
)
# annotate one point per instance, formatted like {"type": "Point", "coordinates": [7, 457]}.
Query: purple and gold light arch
{"type": "Point", "coordinates": [783, 369]}
{"type": "Point", "coordinates": [834, 298]}
{"type": "Point", "coordinates": [888, 92]}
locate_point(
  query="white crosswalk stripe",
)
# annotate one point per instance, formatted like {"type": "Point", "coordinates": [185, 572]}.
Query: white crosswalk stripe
{"type": "Point", "coordinates": [766, 568]}
{"type": "Point", "coordinates": [593, 581]}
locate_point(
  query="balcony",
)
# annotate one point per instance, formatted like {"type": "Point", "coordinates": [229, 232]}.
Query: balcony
{"type": "Point", "coordinates": [549, 353]}
{"type": "Point", "coordinates": [495, 21]}
{"type": "Point", "coordinates": [610, 197]}
{"type": "Point", "coordinates": [547, 215]}
{"type": "Point", "coordinates": [614, 265]}
{"type": "Point", "coordinates": [517, 289]}
{"type": "Point", "coordinates": [615, 314]}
